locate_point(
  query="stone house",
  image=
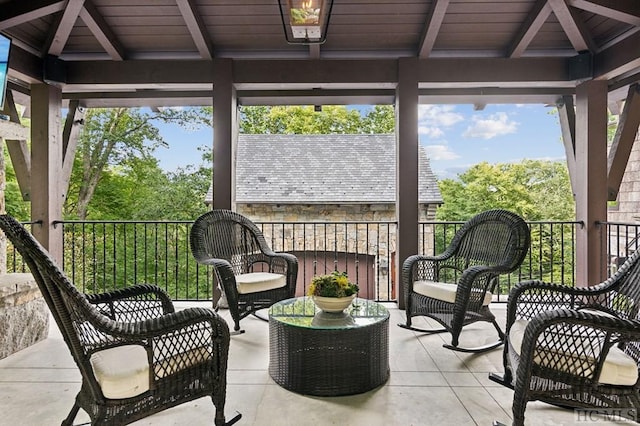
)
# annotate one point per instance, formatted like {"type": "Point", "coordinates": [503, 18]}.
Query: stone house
{"type": "Point", "coordinates": [626, 210]}
{"type": "Point", "coordinates": [314, 179]}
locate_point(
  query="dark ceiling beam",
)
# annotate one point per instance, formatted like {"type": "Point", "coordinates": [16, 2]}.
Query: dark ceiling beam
{"type": "Point", "coordinates": [314, 97]}
{"type": "Point", "coordinates": [159, 98]}
{"type": "Point", "coordinates": [196, 27]}
{"type": "Point", "coordinates": [621, 10]}
{"type": "Point", "coordinates": [569, 25]}
{"type": "Point", "coordinates": [480, 71]}
{"type": "Point", "coordinates": [145, 94]}
{"type": "Point", "coordinates": [536, 18]}
{"type": "Point", "coordinates": [342, 74]}
{"type": "Point", "coordinates": [61, 31]}
{"type": "Point", "coordinates": [101, 31]}
{"type": "Point", "coordinates": [583, 29]}
{"type": "Point", "coordinates": [622, 82]}
{"type": "Point", "coordinates": [432, 27]}
{"type": "Point", "coordinates": [20, 11]}
{"type": "Point", "coordinates": [623, 57]}
{"type": "Point", "coordinates": [487, 96]}
{"type": "Point", "coordinates": [25, 66]}
{"type": "Point", "coordinates": [282, 72]}
{"type": "Point", "coordinates": [139, 72]}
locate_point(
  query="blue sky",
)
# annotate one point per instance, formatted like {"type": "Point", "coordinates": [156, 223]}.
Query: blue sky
{"type": "Point", "coordinates": [4, 60]}
{"type": "Point", "coordinates": [455, 137]}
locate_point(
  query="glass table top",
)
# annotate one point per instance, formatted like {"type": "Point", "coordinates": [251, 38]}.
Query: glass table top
{"type": "Point", "coordinates": [302, 312]}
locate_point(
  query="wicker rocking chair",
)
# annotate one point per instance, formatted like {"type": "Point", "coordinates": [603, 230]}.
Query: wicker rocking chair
{"type": "Point", "coordinates": [252, 276]}
{"type": "Point", "coordinates": [575, 347]}
{"type": "Point", "coordinates": [455, 287]}
{"type": "Point", "coordinates": [136, 355]}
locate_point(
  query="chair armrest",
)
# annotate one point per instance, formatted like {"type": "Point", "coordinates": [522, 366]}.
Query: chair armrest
{"type": "Point", "coordinates": [133, 303]}
{"type": "Point", "coordinates": [419, 267]}
{"type": "Point", "coordinates": [479, 279]}
{"type": "Point", "coordinates": [529, 298]}
{"type": "Point", "coordinates": [225, 275]}
{"type": "Point", "coordinates": [573, 342]}
{"type": "Point", "coordinates": [139, 332]}
{"type": "Point", "coordinates": [279, 262]}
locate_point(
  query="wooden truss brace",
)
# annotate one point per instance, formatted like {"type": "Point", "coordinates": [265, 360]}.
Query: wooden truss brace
{"type": "Point", "coordinates": [625, 136]}
{"type": "Point", "coordinates": [19, 150]}
{"type": "Point", "coordinates": [567, 114]}
{"type": "Point", "coordinates": [623, 141]}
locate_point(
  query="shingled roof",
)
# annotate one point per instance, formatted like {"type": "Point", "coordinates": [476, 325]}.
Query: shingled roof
{"type": "Point", "coordinates": [336, 169]}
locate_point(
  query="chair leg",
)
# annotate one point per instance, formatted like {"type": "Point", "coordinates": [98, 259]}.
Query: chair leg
{"type": "Point", "coordinates": [409, 326]}
{"type": "Point", "coordinates": [260, 316]}
{"type": "Point", "coordinates": [72, 415]}
{"type": "Point", "coordinates": [479, 349]}
{"type": "Point", "coordinates": [220, 421]}
{"type": "Point", "coordinates": [504, 379]}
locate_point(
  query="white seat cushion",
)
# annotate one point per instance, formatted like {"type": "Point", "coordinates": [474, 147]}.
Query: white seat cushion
{"type": "Point", "coordinates": [618, 369]}
{"type": "Point", "coordinates": [254, 282]}
{"type": "Point", "coordinates": [122, 372]}
{"type": "Point", "coordinates": [443, 291]}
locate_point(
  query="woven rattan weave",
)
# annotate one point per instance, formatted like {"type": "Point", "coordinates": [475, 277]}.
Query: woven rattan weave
{"type": "Point", "coordinates": [582, 325]}
{"type": "Point", "coordinates": [492, 243]}
{"type": "Point", "coordinates": [187, 350]}
{"type": "Point", "coordinates": [232, 244]}
{"type": "Point", "coordinates": [328, 354]}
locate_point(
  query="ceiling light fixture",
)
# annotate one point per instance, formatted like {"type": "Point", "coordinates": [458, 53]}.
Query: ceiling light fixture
{"type": "Point", "coordinates": [305, 21]}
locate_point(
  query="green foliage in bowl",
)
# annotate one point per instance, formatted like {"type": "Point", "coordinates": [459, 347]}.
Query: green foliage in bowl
{"type": "Point", "coordinates": [336, 284]}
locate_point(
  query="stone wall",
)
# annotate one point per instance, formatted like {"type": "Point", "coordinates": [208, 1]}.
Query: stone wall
{"type": "Point", "coordinates": [347, 235]}
{"type": "Point", "coordinates": [363, 234]}
{"type": "Point", "coordinates": [24, 315]}
{"type": "Point", "coordinates": [627, 208]}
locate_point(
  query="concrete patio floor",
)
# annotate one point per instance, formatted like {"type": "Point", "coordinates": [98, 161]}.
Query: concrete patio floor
{"type": "Point", "coordinates": [428, 385]}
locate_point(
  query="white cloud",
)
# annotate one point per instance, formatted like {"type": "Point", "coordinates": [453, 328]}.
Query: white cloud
{"type": "Point", "coordinates": [440, 152]}
{"type": "Point", "coordinates": [434, 119]}
{"type": "Point", "coordinates": [495, 125]}
{"type": "Point", "coordinates": [438, 115]}
{"type": "Point", "coordinates": [431, 132]}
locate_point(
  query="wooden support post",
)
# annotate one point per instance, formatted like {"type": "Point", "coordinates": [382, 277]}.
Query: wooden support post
{"type": "Point", "coordinates": [591, 180]}
{"type": "Point", "coordinates": [225, 134]}
{"type": "Point", "coordinates": [46, 164]}
{"type": "Point", "coordinates": [406, 167]}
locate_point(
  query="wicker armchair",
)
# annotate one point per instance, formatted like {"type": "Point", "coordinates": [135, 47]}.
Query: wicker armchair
{"type": "Point", "coordinates": [136, 355]}
{"type": "Point", "coordinates": [252, 276]}
{"type": "Point", "coordinates": [575, 347]}
{"type": "Point", "coordinates": [455, 287]}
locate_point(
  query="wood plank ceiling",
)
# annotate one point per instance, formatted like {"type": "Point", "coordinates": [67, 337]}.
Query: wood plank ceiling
{"type": "Point", "coordinates": [161, 52]}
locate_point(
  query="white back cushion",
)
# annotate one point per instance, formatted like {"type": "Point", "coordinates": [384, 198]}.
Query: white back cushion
{"type": "Point", "coordinates": [443, 291]}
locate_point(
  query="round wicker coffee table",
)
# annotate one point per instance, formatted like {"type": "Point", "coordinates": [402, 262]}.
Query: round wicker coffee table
{"type": "Point", "coordinates": [316, 353]}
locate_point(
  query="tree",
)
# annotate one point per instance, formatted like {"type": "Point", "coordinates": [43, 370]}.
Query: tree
{"type": "Point", "coordinates": [115, 136]}
{"type": "Point", "coordinates": [304, 120]}
{"type": "Point", "coordinates": [535, 189]}
{"type": "Point", "coordinates": [14, 204]}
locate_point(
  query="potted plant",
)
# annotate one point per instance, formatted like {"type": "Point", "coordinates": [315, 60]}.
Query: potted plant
{"type": "Point", "coordinates": [333, 292]}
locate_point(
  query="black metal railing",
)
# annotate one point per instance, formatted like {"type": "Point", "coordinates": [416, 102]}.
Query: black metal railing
{"type": "Point", "coordinates": [104, 255]}
{"type": "Point", "coordinates": [621, 240]}
{"type": "Point", "coordinates": [551, 256]}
